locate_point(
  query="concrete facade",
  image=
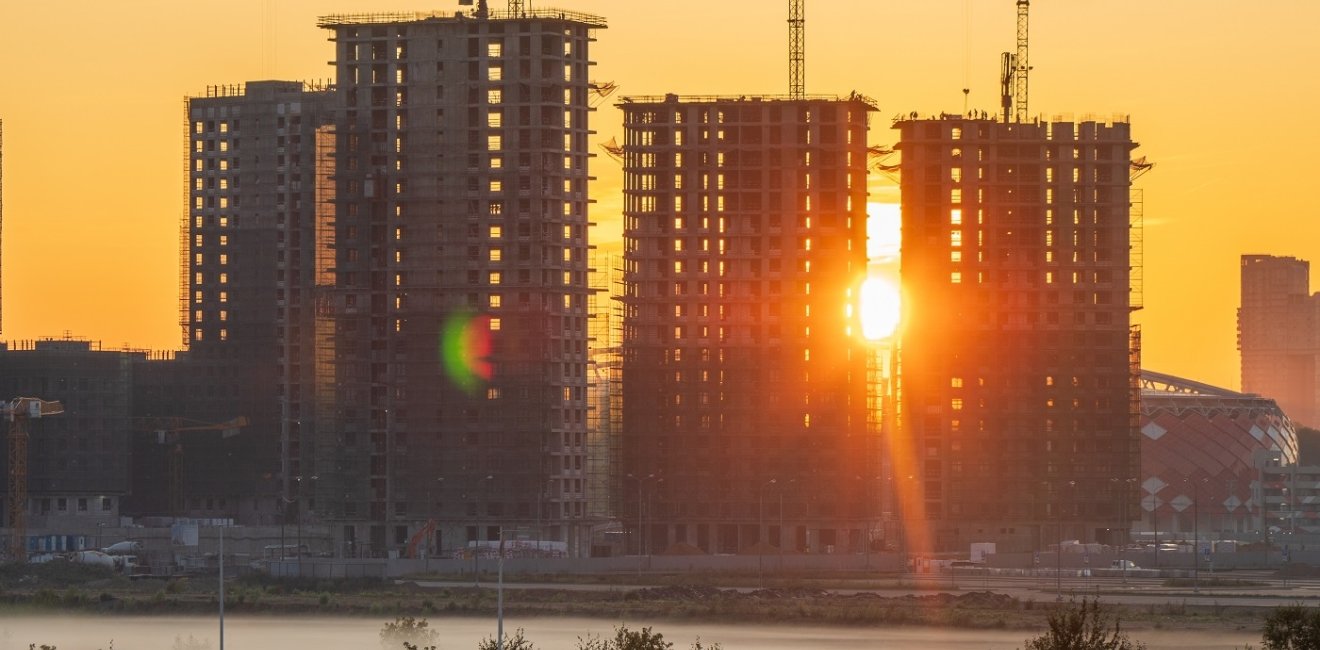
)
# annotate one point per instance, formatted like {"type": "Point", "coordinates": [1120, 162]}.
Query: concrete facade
{"type": "Point", "coordinates": [456, 318]}
{"type": "Point", "coordinates": [79, 463]}
{"type": "Point", "coordinates": [247, 304]}
{"type": "Point", "coordinates": [745, 413]}
{"type": "Point", "coordinates": [1278, 334]}
{"type": "Point", "coordinates": [1019, 373]}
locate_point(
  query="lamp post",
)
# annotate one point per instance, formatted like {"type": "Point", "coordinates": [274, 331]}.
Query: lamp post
{"type": "Point", "coordinates": [221, 556]}
{"type": "Point", "coordinates": [1058, 551]}
{"type": "Point", "coordinates": [1196, 535]}
{"type": "Point", "coordinates": [762, 534]}
{"type": "Point", "coordinates": [437, 509]}
{"type": "Point", "coordinates": [499, 596]}
{"type": "Point", "coordinates": [476, 546]}
{"type": "Point", "coordinates": [1126, 485]}
{"type": "Point", "coordinates": [868, 519]}
{"type": "Point", "coordinates": [641, 537]}
{"type": "Point", "coordinates": [301, 498]}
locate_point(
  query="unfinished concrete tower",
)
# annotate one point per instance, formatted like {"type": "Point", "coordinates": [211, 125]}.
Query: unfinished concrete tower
{"type": "Point", "coordinates": [460, 280]}
{"type": "Point", "coordinates": [247, 302]}
{"type": "Point", "coordinates": [744, 369]}
{"type": "Point", "coordinates": [1019, 381]}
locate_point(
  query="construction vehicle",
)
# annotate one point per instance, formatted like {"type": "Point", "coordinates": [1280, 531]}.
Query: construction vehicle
{"type": "Point", "coordinates": [419, 538]}
{"type": "Point", "coordinates": [18, 412]}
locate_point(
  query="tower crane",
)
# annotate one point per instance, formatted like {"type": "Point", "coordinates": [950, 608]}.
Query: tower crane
{"type": "Point", "coordinates": [796, 49]}
{"type": "Point", "coordinates": [1021, 67]}
{"type": "Point", "coordinates": [18, 412]}
{"type": "Point", "coordinates": [167, 430]}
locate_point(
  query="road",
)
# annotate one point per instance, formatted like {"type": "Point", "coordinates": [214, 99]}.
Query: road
{"type": "Point", "coordinates": [1263, 590]}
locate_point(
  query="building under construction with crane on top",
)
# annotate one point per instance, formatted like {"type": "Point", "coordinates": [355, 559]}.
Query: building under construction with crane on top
{"type": "Point", "coordinates": [745, 419]}
{"type": "Point", "coordinates": [1019, 385]}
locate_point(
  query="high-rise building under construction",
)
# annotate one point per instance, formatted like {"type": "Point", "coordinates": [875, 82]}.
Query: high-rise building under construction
{"type": "Point", "coordinates": [453, 344]}
{"type": "Point", "coordinates": [246, 307]}
{"type": "Point", "coordinates": [744, 370]}
{"type": "Point", "coordinates": [1279, 334]}
{"type": "Point", "coordinates": [1019, 368]}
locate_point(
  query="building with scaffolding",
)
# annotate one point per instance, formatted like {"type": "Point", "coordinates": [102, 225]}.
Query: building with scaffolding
{"type": "Point", "coordinates": [1279, 334]}
{"type": "Point", "coordinates": [745, 421]}
{"type": "Point", "coordinates": [247, 296]}
{"type": "Point", "coordinates": [1019, 400]}
{"type": "Point", "coordinates": [604, 404]}
{"type": "Point", "coordinates": [456, 325]}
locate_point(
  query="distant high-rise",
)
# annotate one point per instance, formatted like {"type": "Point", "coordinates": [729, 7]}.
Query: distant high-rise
{"type": "Point", "coordinates": [1278, 334]}
{"type": "Point", "coordinates": [1019, 370]}
{"type": "Point", "coordinates": [249, 246]}
{"type": "Point", "coordinates": [744, 370]}
{"type": "Point", "coordinates": [455, 331]}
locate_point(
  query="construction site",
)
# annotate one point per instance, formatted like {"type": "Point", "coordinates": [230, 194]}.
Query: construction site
{"type": "Point", "coordinates": [398, 334]}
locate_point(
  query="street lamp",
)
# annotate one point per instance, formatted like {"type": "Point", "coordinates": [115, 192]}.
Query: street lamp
{"type": "Point", "coordinates": [300, 501]}
{"type": "Point", "coordinates": [761, 533]}
{"type": "Point", "coordinates": [640, 536]}
{"type": "Point", "coordinates": [868, 513]}
{"type": "Point", "coordinates": [1058, 550]}
{"type": "Point", "coordinates": [1196, 534]}
{"type": "Point", "coordinates": [476, 546]}
{"type": "Point", "coordinates": [1127, 536]}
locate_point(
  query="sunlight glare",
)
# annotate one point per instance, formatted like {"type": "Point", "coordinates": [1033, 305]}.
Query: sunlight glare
{"type": "Point", "coordinates": [880, 308]}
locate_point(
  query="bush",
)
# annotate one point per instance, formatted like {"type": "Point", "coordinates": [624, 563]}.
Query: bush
{"type": "Point", "coordinates": [625, 639]}
{"type": "Point", "coordinates": [1083, 626]}
{"type": "Point", "coordinates": [1291, 628]}
{"type": "Point", "coordinates": [409, 630]}
{"type": "Point", "coordinates": [515, 642]}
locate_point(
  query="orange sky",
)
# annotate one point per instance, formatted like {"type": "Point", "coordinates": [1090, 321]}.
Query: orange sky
{"type": "Point", "coordinates": [1221, 96]}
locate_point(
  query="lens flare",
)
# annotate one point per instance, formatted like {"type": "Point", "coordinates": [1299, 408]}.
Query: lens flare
{"type": "Point", "coordinates": [465, 348]}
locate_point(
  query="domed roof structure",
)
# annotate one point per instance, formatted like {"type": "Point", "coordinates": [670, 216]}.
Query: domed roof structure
{"type": "Point", "coordinates": [1201, 450]}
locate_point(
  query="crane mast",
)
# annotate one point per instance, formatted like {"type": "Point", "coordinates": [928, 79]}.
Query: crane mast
{"type": "Point", "coordinates": [796, 49]}
{"type": "Point", "coordinates": [18, 412]}
{"type": "Point", "coordinates": [1021, 67]}
{"type": "Point", "coordinates": [1007, 70]}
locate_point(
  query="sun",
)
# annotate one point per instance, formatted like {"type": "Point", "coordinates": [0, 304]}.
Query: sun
{"type": "Point", "coordinates": [880, 303]}
{"type": "Point", "coordinates": [880, 308]}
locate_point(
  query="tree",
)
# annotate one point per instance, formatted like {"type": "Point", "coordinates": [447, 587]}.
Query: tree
{"type": "Point", "coordinates": [1083, 626]}
{"type": "Point", "coordinates": [1291, 628]}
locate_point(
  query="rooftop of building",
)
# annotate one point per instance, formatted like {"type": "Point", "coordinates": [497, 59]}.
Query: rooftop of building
{"type": "Point", "coordinates": [671, 98]}
{"type": "Point", "coordinates": [271, 85]}
{"type": "Point", "coordinates": [70, 345]}
{"type": "Point", "coordinates": [990, 116]}
{"type": "Point", "coordinates": [334, 21]}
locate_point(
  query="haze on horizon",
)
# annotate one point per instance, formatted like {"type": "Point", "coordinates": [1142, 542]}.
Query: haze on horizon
{"type": "Point", "coordinates": [94, 125]}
